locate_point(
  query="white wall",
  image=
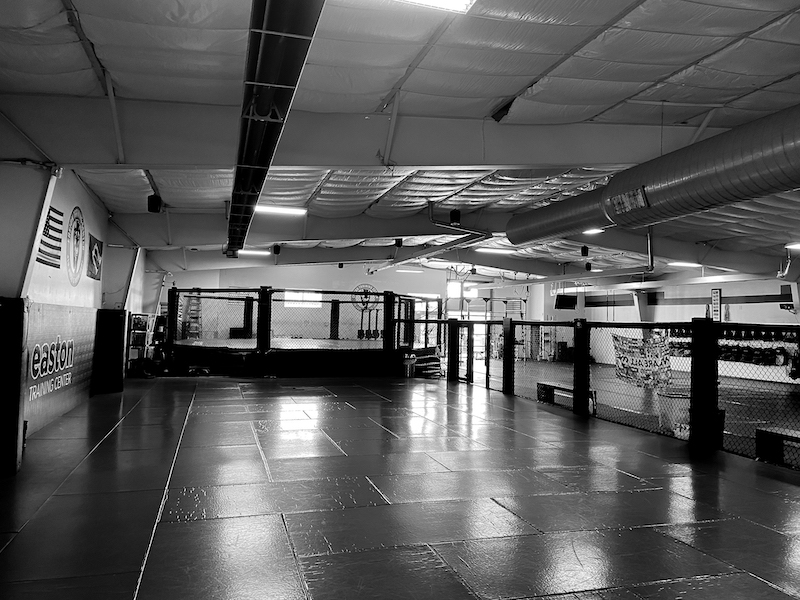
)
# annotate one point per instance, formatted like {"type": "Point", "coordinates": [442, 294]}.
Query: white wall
{"type": "Point", "coordinates": [22, 191]}
{"type": "Point", "coordinates": [135, 302]}
{"type": "Point", "coordinates": [319, 277]}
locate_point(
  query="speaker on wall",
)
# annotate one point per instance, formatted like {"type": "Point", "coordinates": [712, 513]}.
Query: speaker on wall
{"type": "Point", "coordinates": [154, 203]}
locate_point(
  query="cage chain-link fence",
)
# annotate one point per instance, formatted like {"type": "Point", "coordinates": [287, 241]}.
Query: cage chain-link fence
{"type": "Point", "coordinates": [217, 318]}
{"type": "Point", "coordinates": [640, 376]}
{"type": "Point", "coordinates": [544, 355]}
{"type": "Point", "coordinates": [759, 390]}
{"type": "Point", "coordinates": [303, 319]}
{"type": "Point", "coordinates": [494, 358]}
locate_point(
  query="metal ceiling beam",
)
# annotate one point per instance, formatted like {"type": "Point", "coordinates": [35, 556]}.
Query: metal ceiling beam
{"type": "Point", "coordinates": [270, 230]}
{"type": "Point", "coordinates": [272, 58]}
{"type": "Point", "coordinates": [346, 141]}
{"type": "Point", "coordinates": [416, 62]}
{"type": "Point", "coordinates": [505, 263]}
{"type": "Point", "coordinates": [705, 254]}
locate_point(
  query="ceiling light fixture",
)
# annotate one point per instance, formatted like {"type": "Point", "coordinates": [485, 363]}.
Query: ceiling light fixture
{"type": "Point", "coordinates": [460, 6]}
{"type": "Point", "coordinates": [684, 264]}
{"type": "Point", "coordinates": [280, 210]}
{"type": "Point", "coordinates": [793, 246]}
{"type": "Point", "coordinates": [592, 231]}
{"type": "Point", "coordinates": [254, 252]}
{"type": "Point", "coordinates": [496, 250]}
{"type": "Point", "coordinates": [408, 271]}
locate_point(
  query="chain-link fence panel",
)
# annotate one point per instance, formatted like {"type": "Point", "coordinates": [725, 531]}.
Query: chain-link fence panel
{"type": "Point", "coordinates": [304, 319]}
{"type": "Point", "coordinates": [217, 318]}
{"type": "Point", "coordinates": [544, 354]}
{"type": "Point", "coordinates": [494, 356]}
{"type": "Point", "coordinates": [640, 376]}
{"type": "Point", "coordinates": [759, 390]}
{"type": "Point", "coordinates": [429, 347]}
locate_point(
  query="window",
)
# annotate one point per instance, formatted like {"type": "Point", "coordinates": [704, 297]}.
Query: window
{"type": "Point", "coordinates": [302, 300]}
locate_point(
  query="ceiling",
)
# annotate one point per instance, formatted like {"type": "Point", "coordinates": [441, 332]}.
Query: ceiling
{"type": "Point", "coordinates": [401, 114]}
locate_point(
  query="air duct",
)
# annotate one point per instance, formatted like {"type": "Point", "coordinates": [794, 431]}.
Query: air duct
{"type": "Point", "coordinates": [750, 161]}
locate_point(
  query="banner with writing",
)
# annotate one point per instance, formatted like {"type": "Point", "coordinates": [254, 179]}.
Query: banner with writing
{"type": "Point", "coordinates": [644, 363]}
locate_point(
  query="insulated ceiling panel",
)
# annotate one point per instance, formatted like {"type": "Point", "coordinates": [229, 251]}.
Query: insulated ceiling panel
{"type": "Point", "coordinates": [163, 50]}
{"type": "Point", "coordinates": [193, 190]}
{"type": "Point", "coordinates": [40, 52]}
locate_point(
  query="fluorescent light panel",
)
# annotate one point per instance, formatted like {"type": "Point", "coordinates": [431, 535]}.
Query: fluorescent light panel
{"type": "Point", "coordinates": [496, 250]}
{"type": "Point", "coordinates": [280, 210]}
{"type": "Point", "coordinates": [684, 264]}
{"type": "Point", "coordinates": [592, 231]}
{"type": "Point", "coordinates": [408, 271]}
{"type": "Point", "coordinates": [793, 246]}
{"type": "Point", "coordinates": [254, 252]}
{"type": "Point", "coordinates": [461, 6]}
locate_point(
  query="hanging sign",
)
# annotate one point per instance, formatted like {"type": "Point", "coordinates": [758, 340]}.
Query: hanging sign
{"type": "Point", "coordinates": [716, 305]}
{"type": "Point", "coordinates": [644, 363]}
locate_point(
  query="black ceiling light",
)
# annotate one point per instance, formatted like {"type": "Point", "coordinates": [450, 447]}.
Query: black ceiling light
{"type": "Point", "coordinates": [398, 243]}
{"type": "Point", "coordinates": [455, 217]}
{"type": "Point", "coordinates": [154, 203]}
{"type": "Point", "coordinates": [584, 250]}
{"type": "Point", "coordinates": [276, 249]}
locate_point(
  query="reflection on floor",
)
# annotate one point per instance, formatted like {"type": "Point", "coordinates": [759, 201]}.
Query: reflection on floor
{"type": "Point", "coordinates": [223, 489]}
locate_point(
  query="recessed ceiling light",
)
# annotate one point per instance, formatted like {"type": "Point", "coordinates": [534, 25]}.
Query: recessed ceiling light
{"type": "Point", "coordinates": [592, 231]}
{"type": "Point", "coordinates": [461, 6]}
{"type": "Point", "coordinates": [280, 210]}
{"type": "Point", "coordinates": [408, 271]}
{"type": "Point", "coordinates": [496, 250]}
{"type": "Point", "coordinates": [793, 246]}
{"type": "Point", "coordinates": [254, 252]}
{"type": "Point", "coordinates": [684, 264]}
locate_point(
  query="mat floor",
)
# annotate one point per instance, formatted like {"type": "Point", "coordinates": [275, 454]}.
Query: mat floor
{"type": "Point", "coordinates": [214, 488]}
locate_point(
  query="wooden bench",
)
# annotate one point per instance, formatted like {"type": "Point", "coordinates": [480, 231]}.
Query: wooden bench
{"type": "Point", "coordinates": [545, 392]}
{"type": "Point", "coordinates": [769, 442]}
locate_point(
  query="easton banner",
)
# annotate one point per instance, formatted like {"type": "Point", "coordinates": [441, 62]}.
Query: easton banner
{"type": "Point", "coordinates": [60, 349]}
{"type": "Point", "coordinates": [644, 363]}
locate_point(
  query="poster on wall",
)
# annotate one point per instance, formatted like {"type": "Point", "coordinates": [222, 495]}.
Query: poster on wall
{"type": "Point", "coordinates": [94, 265]}
{"type": "Point", "coordinates": [644, 363]}
{"type": "Point", "coordinates": [49, 251]}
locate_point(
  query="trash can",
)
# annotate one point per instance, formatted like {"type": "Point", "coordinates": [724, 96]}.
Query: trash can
{"type": "Point", "coordinates": [408, 364]}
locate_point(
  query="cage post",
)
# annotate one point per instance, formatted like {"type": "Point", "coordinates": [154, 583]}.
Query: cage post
{"type": "Point", "coordinates": [264, 331]}
{"type": "Point", "coordinates": [453, 349]}
{"type": "Point", "coordinates": [389, 323]}
{"type": "Point", "coordinates": [508, 355]}
{"type": "Point", "coordinates": [580, 378]}
{"type": "Point", "coordinates": [706, 421]}
{"type": "Point", "coordinates": [247, 319]}
{"type": "Point", "coordinates": [470, 352]}
{"type": "Point", "coordinates": [335, 318]}
{"type": "Point", "coordinates": [172, 316]}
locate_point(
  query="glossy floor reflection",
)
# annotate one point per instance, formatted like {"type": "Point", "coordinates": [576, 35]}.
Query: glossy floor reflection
{"type": "Point", "coordinates": [409, 489]}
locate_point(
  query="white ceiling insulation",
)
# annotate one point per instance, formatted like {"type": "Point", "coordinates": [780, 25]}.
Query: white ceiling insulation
{"type": "Point", "coordinates": [402, 109]}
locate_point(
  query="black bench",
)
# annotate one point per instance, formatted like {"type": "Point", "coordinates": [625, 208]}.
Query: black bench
{"type": "Point", "coordinates": [769, 442]}
{"type": "Point", "coordinates": [545, 392]}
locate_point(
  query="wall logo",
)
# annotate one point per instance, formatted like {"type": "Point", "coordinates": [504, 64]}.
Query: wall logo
{"type": "Point", "coordinates": [75, 246]}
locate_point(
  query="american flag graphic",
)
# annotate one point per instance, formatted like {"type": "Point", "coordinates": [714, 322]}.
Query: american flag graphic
{"type": "Point", "coordinates": [50, 245]}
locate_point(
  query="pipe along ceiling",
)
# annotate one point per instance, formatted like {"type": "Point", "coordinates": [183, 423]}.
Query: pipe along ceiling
{"type": "Point", "coordinates": [748, 162]}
